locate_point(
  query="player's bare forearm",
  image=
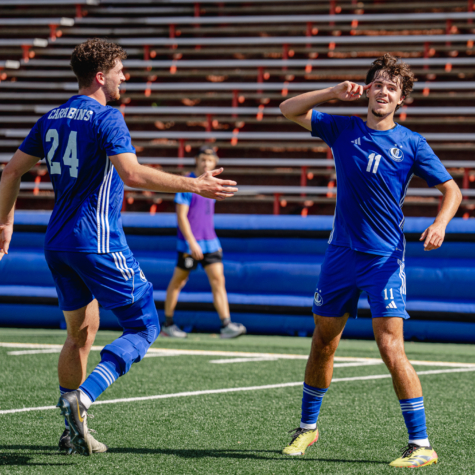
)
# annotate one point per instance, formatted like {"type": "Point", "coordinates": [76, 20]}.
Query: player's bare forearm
{"type": "Point", "coordinates": [10, 182]}
{"type": "Point", "coordinates": [9, 187]}
{"type": "Point", "coordinates": [303, 103]}
{"type": "Point", "coordinates": [299, 108]}
{"type": "Point", "coordinates": [434, 235]}
{"type": "Point", "coordinates": [145, 178]}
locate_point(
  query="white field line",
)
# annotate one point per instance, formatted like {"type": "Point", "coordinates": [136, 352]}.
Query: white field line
{"type": "Point", "coordinates": [176, 352]}
{"type": "Point", "coordinates": [233, 390]}
{"type": "Point", "coordinates": [242, 360]}
{"type": "Point", "coordinates": [33, 352]}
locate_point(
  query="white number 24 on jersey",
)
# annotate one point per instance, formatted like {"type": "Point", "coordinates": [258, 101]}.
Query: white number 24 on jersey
{"type": "Point", "coordinates": [70, 157]}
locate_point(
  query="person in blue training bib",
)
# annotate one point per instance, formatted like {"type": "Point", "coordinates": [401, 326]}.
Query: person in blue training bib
{"type": "Point", "coordinates": [198, 244]}
{"type": "Point", "coordinates": [375, 161]}
{"type": "Point", "coordinates": [90, 156]}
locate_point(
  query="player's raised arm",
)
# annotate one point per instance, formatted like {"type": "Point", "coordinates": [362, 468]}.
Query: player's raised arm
{"type": "Point", "coordinates": [9, 188]}
{"type": "Point", "coordinates": [434, 235]}
{"type": "Point", "coordinates": [145, 178]}
{"type": "Point", "coordinates": [299, 109]}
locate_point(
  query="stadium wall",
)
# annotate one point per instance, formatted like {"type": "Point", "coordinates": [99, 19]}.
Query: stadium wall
{"type": "Point", "coordinates": [271, 265]}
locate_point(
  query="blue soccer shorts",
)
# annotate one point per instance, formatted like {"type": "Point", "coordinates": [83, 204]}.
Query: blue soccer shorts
{"type": "Point", "coordinates": [346, 273]}
{"type": "Point", "coordinates": [114, 279]}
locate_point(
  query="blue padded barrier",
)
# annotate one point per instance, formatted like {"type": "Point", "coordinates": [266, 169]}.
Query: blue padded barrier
{"type": "Point", "coordinates": [271, 267]}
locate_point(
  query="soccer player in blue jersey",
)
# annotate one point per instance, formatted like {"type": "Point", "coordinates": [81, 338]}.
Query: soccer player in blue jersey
{"type": "Point", "coordinates": [89, 157]}
{"type": "Point", "coordinates": [375, 161]}
{"type": "Point", "coordinates": [198, 244]}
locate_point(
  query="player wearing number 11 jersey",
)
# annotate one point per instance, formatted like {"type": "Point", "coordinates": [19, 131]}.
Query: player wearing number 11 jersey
{"type": "Point", "coordinates": [375, 161]}
{"type": "Point", "coordinates": [90, 156]}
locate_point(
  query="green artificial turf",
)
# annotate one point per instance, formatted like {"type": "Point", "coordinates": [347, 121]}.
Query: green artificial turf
{"type": "Point", "coordinates": [361, 425]}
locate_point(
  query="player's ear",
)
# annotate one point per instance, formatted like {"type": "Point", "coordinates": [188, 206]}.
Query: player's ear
{"type": "Point", "coordinates": [100, 78]}
{"type": "Point", "coordinates": [401, 100]}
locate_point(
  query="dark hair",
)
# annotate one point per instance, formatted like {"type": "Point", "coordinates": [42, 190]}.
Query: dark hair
{"type": "Point", "coordinates": [93, 56]}
{"type": "Point", "coordinates": [207, 150]}
{"type": "Point", "coordinates": [395, 70]}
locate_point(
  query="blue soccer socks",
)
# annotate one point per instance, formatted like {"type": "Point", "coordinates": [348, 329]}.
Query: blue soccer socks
{"type": "Point", "coordinates": [311, 403]}
{"type": "Point", "coordinates": [100, 379]}
{"type": "Point", "coordinates": [415, 419]}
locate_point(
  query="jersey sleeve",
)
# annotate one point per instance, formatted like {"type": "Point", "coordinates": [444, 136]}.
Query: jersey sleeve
{"type": "Point", "coordinates": [328, 127]}
{"type": "Point", "coordinates": [33, 144]}
{"type": "Point", "coordinates": [114, 134]}
{"type": "Point", "coordinates": [183, 198]}
{"type": "Point", "coordinates": [428, 165]}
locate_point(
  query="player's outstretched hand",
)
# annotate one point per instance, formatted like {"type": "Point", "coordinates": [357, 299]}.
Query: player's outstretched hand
{"type": "Point", "coordinates": [6, 231]}
{"type": "Point", "coordinates": [215, 188]}
{"type": "Point", "coordinates": [433, 237]}
{"type": "Point", "coordinates": [350, 91]}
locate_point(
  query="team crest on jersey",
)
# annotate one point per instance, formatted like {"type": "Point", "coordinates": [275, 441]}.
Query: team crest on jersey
{"type": "Point", "coordinates": [318, 298]}
{"type": "Point", "coordinates": [142, 276]}
{"type": "Point", "coordinates": [396, 154]}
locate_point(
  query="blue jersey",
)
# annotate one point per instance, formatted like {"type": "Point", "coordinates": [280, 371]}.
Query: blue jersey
{"type": "Point", "coordinates": [373, 170]}
{"type": "Point", "coordinates": [77, 138]}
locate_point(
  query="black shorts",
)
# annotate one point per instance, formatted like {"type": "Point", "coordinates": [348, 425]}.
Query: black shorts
{"type": "Point", "coordinates": [186, 262]}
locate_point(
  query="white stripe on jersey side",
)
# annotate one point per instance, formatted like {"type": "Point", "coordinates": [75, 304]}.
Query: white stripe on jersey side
{"type": "Point", "coordinates": [405, 191]}
{"type": "Point", "coordinates": [119, 266]}
{"type": "Point", "coordinates": [111, 173]}
{"type": "Point", "coordinates": [334, 214]}
{"type": "Point", "coordinates": [402, 276]}
{"type": "Point", "coordinates": [98, 211]}
{"type": "Point", "coordinates": [132, 276]}
{"type": "Point", "coordinates": [104, 208]}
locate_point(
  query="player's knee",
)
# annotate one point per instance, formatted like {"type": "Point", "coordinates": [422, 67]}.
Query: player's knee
{"type": "Point", "coordinates": [390, 354]}
{"type": "Point", "coordinates": [217, 282]}
{"type": "Point", "coordinates": [81, 338]}
{"type": "Point", "coordinates": [141, 329]}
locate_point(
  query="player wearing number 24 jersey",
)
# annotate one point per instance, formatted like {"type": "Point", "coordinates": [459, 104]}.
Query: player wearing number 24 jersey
{"type": "Point", "coordinates": [78, 136]}
{"type": "Point", "coordinates": [375, 161]}
{"type": "Point", "coordinates": [90, 156]}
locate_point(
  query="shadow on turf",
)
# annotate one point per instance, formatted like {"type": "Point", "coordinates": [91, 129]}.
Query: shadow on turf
{"type": "Point", "coordinates": [7, 459]}
{"type": "Point", "coordinates": [231, 453]}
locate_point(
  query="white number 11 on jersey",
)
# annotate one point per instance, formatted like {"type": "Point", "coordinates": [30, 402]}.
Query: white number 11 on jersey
{"type": "Point", "coordinates": [376, 159]}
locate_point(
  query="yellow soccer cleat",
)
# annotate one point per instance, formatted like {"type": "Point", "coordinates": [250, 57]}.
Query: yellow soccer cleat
{"type": "Point", "coordinates": [415, 456]}
{"type": "Point", "coordinates": [301, 439]}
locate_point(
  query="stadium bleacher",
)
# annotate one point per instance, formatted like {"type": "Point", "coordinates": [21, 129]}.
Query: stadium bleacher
{"type": "Point", "coordinates": [185, 56]}
{"type": "Point", "coordinates": [216, 71]}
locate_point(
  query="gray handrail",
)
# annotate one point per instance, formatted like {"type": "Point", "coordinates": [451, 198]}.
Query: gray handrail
{"type": "Point", "coordinates": [283, 19]}
{"type": "Point", "coordinates": [259, 162]}
{"type": "Point", "coordinates": [143, 110]}
{"type": "Point", "coordinates": [36, 21]}
{"type": "Point", "coordinates": [272, 190]}
{"type": "Point", "coordinates": [255, 63]}
{"type": "Point", "coordinates": [280, 40]}
{"type": "Point", "coordinates": [150, 135]}
{"type": "Point", "coordinates": [225, 86]}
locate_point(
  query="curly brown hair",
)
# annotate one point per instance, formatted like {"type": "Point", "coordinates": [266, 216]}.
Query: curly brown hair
{"type": "Point", "coordinates": [92, 56]}
{"type": "Point", "coordinates": [394, 69]}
